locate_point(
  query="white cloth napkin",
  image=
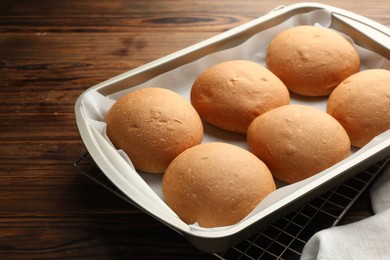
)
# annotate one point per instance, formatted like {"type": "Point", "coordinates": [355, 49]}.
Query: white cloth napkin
{"type": "Point", "coordinates": [365, 239]}
{"type": "Point", "coordinates": [380, 192]}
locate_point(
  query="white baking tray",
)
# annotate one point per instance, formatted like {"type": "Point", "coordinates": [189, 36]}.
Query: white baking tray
{"type": "Point", "coordinates": [177, 72]}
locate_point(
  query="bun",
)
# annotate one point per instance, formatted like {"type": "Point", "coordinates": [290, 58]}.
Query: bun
{"type": "Point", "coordinates": [215, 184]}
{"type": "Point", "coordinates": [310, 60]}
{"type": "Point", "coordinates": [231, 94]}
{"type": "Point", "coordinates": [152, 126]}
{"type": "Point", "coordinates": [361, 103]}
{"type": "Point", "coordinates": [297, 141]}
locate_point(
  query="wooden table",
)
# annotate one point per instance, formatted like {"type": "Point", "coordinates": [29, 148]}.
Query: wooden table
{"type": "Point", "coordinates": [51, 51]}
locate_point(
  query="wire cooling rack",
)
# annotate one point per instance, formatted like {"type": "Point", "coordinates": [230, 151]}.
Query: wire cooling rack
{"type": "Point", "coordinates": [285, 238]}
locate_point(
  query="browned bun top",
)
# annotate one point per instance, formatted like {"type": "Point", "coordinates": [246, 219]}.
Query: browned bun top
{"type": "Point", "coordinates": [231, 94]}
{"type": "Point", "coordinates": [361, 103]}
{"type": "Point", "coordinates": [310, 60]}
{"type": "Point", "coordinates": [297, 141]}
{"type": "Point", "coordinates": [215, 184]}
{"type": "Point", "coordinates": [153, 126]}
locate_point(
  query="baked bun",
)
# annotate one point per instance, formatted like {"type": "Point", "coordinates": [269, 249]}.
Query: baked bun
{"type": "Point", "coordinates": [310, 60]}
{"type": "Point", "coordinates": [215, 184]}
{"type": "Point", "coordinates": [361, 103]}
{"type": "Point", "coordinates": [231, 94]}
{"type": "Point", "coordinates": [152, 126]}
{"type": "Point", "coordinates": [297, 141]}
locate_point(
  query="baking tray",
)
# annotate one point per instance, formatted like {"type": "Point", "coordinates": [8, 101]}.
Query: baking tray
{"type": "Point", "coordinates": [141, 189]}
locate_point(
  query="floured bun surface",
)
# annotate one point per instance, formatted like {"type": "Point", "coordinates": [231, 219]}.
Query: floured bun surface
{"type": "Point", "coordinates": [153, 126]}
{"type": "Point", "coordinates": [231, 94]}
{"type": "Point", "coordinates": [361, 103]}
{"type": "Point", "coordinates": [297, 141]}
{"type": "Point", "coordinates": [215, 184]}
{"type": "Point", "coordinates": [311, 60]}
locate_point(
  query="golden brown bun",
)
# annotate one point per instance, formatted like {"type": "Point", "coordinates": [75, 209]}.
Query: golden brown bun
{"type": "Point", "coordinates": [297, 141]}
{"type": "Point", "coordinates": [231, 94]}
{"type": "Point", "coordinates": [311, 61]}
{"type": "Point", "coordinates": [361, 103]}
{"type": "Point", "coordinates": [153, 126]}
{"type": "Point", "coordinates": [216, 184]}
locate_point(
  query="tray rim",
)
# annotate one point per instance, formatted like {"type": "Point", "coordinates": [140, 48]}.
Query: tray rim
{"type": "Point", "coordinates": [202, 239]}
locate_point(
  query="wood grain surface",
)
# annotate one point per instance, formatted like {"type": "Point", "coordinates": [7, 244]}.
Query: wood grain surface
{"type": "Point", "coordinates": [52, 51]}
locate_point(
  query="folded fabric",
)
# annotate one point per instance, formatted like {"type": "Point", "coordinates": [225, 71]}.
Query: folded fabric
{"type": "Point", "coordinates": [365, 239]}
{"type": "Point", "coordinates": [380, 192]}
